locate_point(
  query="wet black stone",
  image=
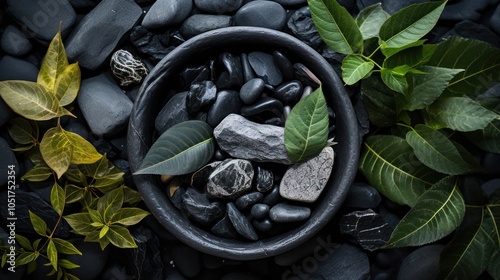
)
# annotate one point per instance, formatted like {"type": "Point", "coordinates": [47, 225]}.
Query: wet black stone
{"type": "Point", "coordinates": [303, 74]}
{"type": "Point", "coordinates": [265, 104]}
{"type": "Point", "coordinates": [176, 198]}
{"type": "Point", "coordinates": [105, 147]}
{"type": "Point", "coordinates": [368, 228]}
{"type": "Point", "coordinates": [346, 261]}
{"type": "Point", "coordinates": [465, 9]}
{"type": "Point", "coordinates": [248, 72]}
{"type": "Point", "coordinates": [284, 64]}
{"type": "Point", "coordinates": [224, 228]}
{"type": "Point", "coordinates": [264, 67]}
{"type": "Point", "coordinates": [273, 197]}
{"type": "Point", "coordinates": [241, 223]}
{"type": "Point", "coordinates": [194, 74]}
{"type": "Point", "coordinates": [259, 211]}
{"type": "Point", "coordinates": [423, 263]}
{"type": "Point", "coordinates": [200, 23]}
{"type": "Point", "coordinates": [198, 207]}
{"type": "Point", "coordinates": [265, 225]}
{"type": "Point", "coordinates": [232, 65]}
{"type": "Point", "coordinates": [218, 6]}
{"type": "Point", "coordinates": [145, 260]}
{"type": "Point", "coordinates": [264, 179]}
{"type": "Point", "coordinates": [245, 201]}
{"type": "Point", "coordinates": [220, 155]}
{"type": "Point", "coordinates": [251, 90]}
{"type": "Point", "coordinates": [278, 121]}
{"type": "Point", "coordinates": [302, 26]}
{"type": "Point", "coordinates": [92, 260]}
{"type": "Point", "coordinates": [470, 29]}
{"type": "Point", "coordinates": [149, 44]}
{"type": "Point", "coordinates": [287, 213]}
{"type": "Point", "coordinates": [200, 95]}
{"type": "Point", "coordinates": [187, 260]}
{"type": "Point", "coordinates": [289, 93]}
{"type": "Point", "coordinates": [174, 112]}
{"type": "Point", "coordinates": [266, 14]}
{"type": "Point", "coordinates": [227, 102]}
{"type": "Point", "coordinates": [362, 196]}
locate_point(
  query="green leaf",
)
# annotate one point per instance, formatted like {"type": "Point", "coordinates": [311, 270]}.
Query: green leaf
{"type": "Point", "coordinates": [380, 102]}
{"type": "Point", "coordinates": [57, 198]}
{"type": "Point", "coordinates": [336, 26]}
{"type": "Point", "coordinates": [355, 68]}
{"type": "Point", "coordinates": [459, 113]}
{"type": "Point", "coordinates": [391, 51]}
{"type": "Point", "coordinates": [493, 267]}
{"type": "Point", "coordinates": [53, 64]}
{"type": "Point", "coordinates": [494, 211]}
{"type": "Point", "coordinates": [394, 80]}
{"type": "Point", "coordinates": [104, 242]}
{"type": "Point", "coordinates": [413, 56]}
{"type": "Point", "coordinates": [103, 231]}
{"type": "Point", "coordinates": [106, 175]}
{"type": "Point", "coordinates": [65, 247]}
{"type": "Point", "coordinates": [96, 216]}
{"type": "Point", "coordinates": [370, 19]}
{"type": "Point", "coordinates": [73, 193]}
{"type": "Point", "coordinates": [23, 131]}
{"type": "Point", "coordinates": [411, 23]}
{"type": "Point", "coordinates": [39, 225]}
{"type": "Point", "coordinates": [389, 164]}
{"type": "Point", "coordinates": [487, 138]}
{"type": "Point", "coordinates": [37, 174]}
{"type": "Point", "coordinates": [24, 242]}
{"type": "Point", "coordinates": [31, 100]}
{"type": "Point", "coordinates": [110, 203]}
{"type": "Point", "coordinates": [436, 151]}
{"type": "Point", "coordinates": [26, 257]}
{"type": "Point", "coordinates": [306, 128]}
{"type": "Point", "coordinates": [131, 196]}
{"type": "Point", "coordinates": [480, 60]}
{"type": "Point", "coordinates": [468, 254]}
{"type": "Point", "coordinates": [68, 84]}
{"type": "Point", "coordinates": [437, 213]}
{"type": "Point", "coordinates": [182, 149]}
{"type": "Point", "coordinates": [427, 88]}
{"type": "Point", "coordinates": [52, 253]}
{"type": "Point", "coordinates": [67, 264]}
{"type": "Point", "coordinates": [36, 243]}
{"type": "Point", "coordinates": [120, 237]}
{"type": "Point", "coordinates": [80, 223]}
{"type": "Point", "coordinates": [129, 216]}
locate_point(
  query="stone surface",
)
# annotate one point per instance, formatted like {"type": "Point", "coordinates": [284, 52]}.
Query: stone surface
{"type": "Point", "coordinates": [265, 104]}
{"type": "Point", "coordinates": [460, 10]}
{"type": "Point", "coordinates": [241, 223]}
{"type": "Point", "coordinates": [495, 20]}
{"type": "Point", "coordinates": [259, 211]}
{"type": "Point", "coordinates": [284, 65]}
{"type": "Point", "coordinates": [291, 2]}
{"type": "Point", "coordinates": [248, 72]}
{"type": "Point", "coordinates": [8, 158]}
{"type": "Point", "coordinates": [103, 104]}
{"type": "Point", "coordinates": [272, 197]}
{"type": "Point", "coordinates": [301, 26]}
{"type": "Point", "coordinates": [198, 207]}
{"type": "Point", "coordinates": [263, 226]}
{"type": "Point", "coordinates": [230, 178]}
{"type": "Point", "coordinates": [306, 180]}
{"type": "Point", "coordinates": [423, 263]}
{"type": "Point", "coordinates": [245, 139]}
{"type": "Point", "coordinates": [264, 67]}
{"type": "Point", "coordinates": [174, 112]}
{"type": "Point", "coordinates": [224, 228]}
{"type": "Point", "coordinates": [200, 23]}
{"type": "Point", "coordinates": [251, 90]}
{"type": "Point", "coordinates": [99, 32]}
{"type": "Point", "coordinates": [264, 179]}
{"type": "Point", "coordinates": [166, 13]}
{"type": "Point", "coordinates": [367, 227]}
{"type": "Point", "coordinates": [232, 65]}
{"type": "Point", "coordinates": [14, 42]}
{"type": "Point", "coordinates": [194, 74]}
{"type": "Point", "coordinates": [218, 6]}
{"type": "Point", "coordinates": [303, 74]}
{"type": "Point", "coordinates": [127, 68]}
{"type": "Point", "coordinates": [362, 196]}
{"type": "Point", "coordinates": [245, 201]}
{"type": "Point", "coordinates": [92, 260]}
{"type": "Point", "coordinates": [227, 102]}
{"type": "Point", "coordinates": [470, 29]}
{"type": "Point", "coordinates": [287, 213]}
{"type": "Point", "coordinates": [12, 68]}
{"type": "Point", "coordinates": [150, 44]}
{"type": "Point", "coordinates": [199, 179]}
{"type": "Point", "coordinates": [392, 6]}
{"type": "Point", "coordinates": [200, 95]}
{"type": "Point", "coordinates": [42, 18]}
{"type": "Point", "coordinates": [266, 14]}
{"type": "Point", "coordinates": [346, 262]}
{"type": "Point", "coordinates": [187, 260]}
{"type": "Point", "coordinates": [289, 93]}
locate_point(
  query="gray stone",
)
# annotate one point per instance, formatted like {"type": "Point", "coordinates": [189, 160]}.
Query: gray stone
{"type": "Point", "coordinates": [287, 213]}
{"type": "Point", "coordinates": [245, 201]}
{"type": "Point", "coordinates": [150, 44]}
{"type": "Point", "coordinates": [8, 160]}
{"type": "Point", "coordinates": [174, 112]}
{"type": "Point", "coordinates": [103, 104]}
{"type": "Point", "coordinates": [264, 66]}
{"type": "Point", "coordinates": [264, 179]}
{"type": "Point", "coordinates": [259, 211]}
{"type": "Point", "coordinates": [263, 226]}
{"type": "Point", "coordinates": [14, 42]}
{"type": "Point", "coordinates": [290, 2]}
{"type": "Point", "coordinates": [200, 23]}
{"type": "Point", "coordinates": [251, 90]}
{"type": "Point", "coordinates": [302, 26]}
{"type": "Point", "coordinates": [227, 102]}
{"type": "Point", "coordinates": [99, 32]}
{"type": "Point", "coordinates": [224, 228]}
{"type": "Point", "coordinates": [362, 196]}
{"type": "Point", "coordinates": [392, 6]}
{"type": "Point", "coordinates": [200, 209]}
{"type": "Point", "coordinates": [218, 6]}
{"type": "Point", "coordinates": [368, 228]}
{"type": "Point", "coordinates": [245, 139]}
{"type": "Point", "coordinates": [306, 180]}
{"type": "Point", "coordinates": [495, 20]}
{"type": "Point", "coordinates": [165, 13]}
{"type": "Point", "coordinates": [5, 112]}
{"type": "Point", "coordinates": [230, 178]}
{"type": "Point", "coordinates": [42, 18]}
{"type": "Point", "coordinates": [346, 262]}
{"type": "Point", "coordinates": [12, 68]}
{"type": "Point", "coordinates": [423, 263]}
{"type": "Point", "coordinates": [127, 68]}
{"type": "Point", "coordinates": [187, 260]}
{"type": "Point", "coordinates": [266, 14]}
{"type": "Point", "coordinates": [241, 223]}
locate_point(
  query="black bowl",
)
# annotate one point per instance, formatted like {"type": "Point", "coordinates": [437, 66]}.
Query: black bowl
{"type": "Point", "coordinates": [152, 95]}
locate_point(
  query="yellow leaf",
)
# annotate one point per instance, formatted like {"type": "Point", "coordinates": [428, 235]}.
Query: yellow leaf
{"type": "Point", "coordinates": [53, 64]}
{"type": "Point", "coordinates": [83, 151]}
{"type": "Point", "coordinates": [67, 84]}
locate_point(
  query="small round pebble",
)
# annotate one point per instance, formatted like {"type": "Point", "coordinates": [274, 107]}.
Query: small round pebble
{"type": "Point", "coordinates": [259, 211]}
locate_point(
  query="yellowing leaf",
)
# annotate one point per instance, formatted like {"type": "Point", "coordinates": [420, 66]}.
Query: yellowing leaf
{"type": "Point", "coordinates": [120, 237]}
{"type": "Point", "coordinates": [68, 84]}
{"type": "Point", "coordinates": [52, 254]}
{"type": "Point", "coordinates": [57, 198]}
{"type": "Point", "coordinates": [53, 64]}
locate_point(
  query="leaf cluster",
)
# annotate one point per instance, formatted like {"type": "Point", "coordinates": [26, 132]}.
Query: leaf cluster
{"type": "Point", "coordinates": [425, 100]}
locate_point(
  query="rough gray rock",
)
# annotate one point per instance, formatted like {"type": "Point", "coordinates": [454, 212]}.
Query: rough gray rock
{"type": "Point", "coordinates": [245, 139]}
{"type": "Point", "coordinates": [230, 178]}
{"type": "Point", "coordinates": [306, 180]}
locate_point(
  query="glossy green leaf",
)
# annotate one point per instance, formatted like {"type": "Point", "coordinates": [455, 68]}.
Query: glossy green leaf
{"type": "Point", "coordinates": [37, 174]}
{"type": "Point", "coordinates": [468, 254]}
{"type": "Point", "coordinates": [67, 84]}
{"type": "Point", "coordinates": [26, 257]}
{"type": "Point", "coordinates": [39, 225]}
{"type": "Point", "coordinates": [129, 216]}
{"type": "Point", "coordinates": [437, 213]}
{"type": "Point", "coordinates": [355, 68]}
{"type": "Point", "coordinates": [306, 128]}
{"type": "Point", "coordinates": [389, 164]}
{"type": "Point", "coordinates": [480, 60]}
{"type": "Point", "coordinates": [53, 64]}
{"type": "Point", "coordinates": [181, 149]}
{"type": "Point", "coordinates": [380, 102]}
{"type": "Point", "coordinates": [459, 113]}
{"type": "Point", "coordinates": [103, 231]}
{"type": "Point", "coordinates": [24, 242]}
{"type": "Point", "coordinates": [109, 204]}
{"type": "Point", "coordinates": [52, 253]}
{"type": "Point", "coordinates": [389, 52]}
{"type": "Point", "coordinates": [131, 196]}
{"type": "Point", "coordinates": [57, 198]}
{"type": "Point", "coordinates": [412, 57]}
{"type": "Point", "coordinates": [80, 223]}
{"type": "Point", "coordinates": [73, 193]}
{"type": "Point", "coordinates": [96, 216]}
{"type": "Point", "coordinates": [31, 100]}
{"type": "Point", "coordinates": [394, 81]}
{"type": "Point", "coordinates": [370, 19]}
{"type": "Point", "coordinates": [494, 212]}
{"type": "Point", "coordinates": [487, 138]}
{"type": "Point", "coordinates": [104, 242]}
{"type": "Point", "coordinates": [336, 26]}
{"type": "Point", "coordinates": [436, 151]}
{"type": "Point", "coordinates": [67, 264]}
{"type": "Point", "coordinates": [23, 131]}
{"type": "Point", "coordinates": [106, 176]}
{"type": "Point", "coordinates": [65, 247]}
{"type": "Point", "coordinates": [493, 267]}
{"type": "Point", "coordinates": [120, 237]}
{"type": "Point", "coordinates": [427, 88]}
{"type": "Point", "coordinates": [36, 244]}
{"type": "Point", "coordinates": [93, 236]}
{"type": "Point", "coordinates": [411, 23]}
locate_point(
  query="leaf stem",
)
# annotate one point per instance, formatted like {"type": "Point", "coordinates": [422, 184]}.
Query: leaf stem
{"type": "Point", "coordinates": [368, 58]}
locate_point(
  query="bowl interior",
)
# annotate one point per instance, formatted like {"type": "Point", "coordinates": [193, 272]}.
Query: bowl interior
{"type": "Point", "coordinates": [153, 94]}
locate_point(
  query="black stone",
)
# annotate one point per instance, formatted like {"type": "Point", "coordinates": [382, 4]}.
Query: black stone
{"type": "Point", "coordinates": [5, 113]}
{"type": "Point", "coordinates": [291, 2]}
{"type": "Point", "coordinates": [264, 67]}
{"type": "Point", "coordinates": [273, 197]}
{"type": "Point", "coordinates": [200, 23]}
{"type": "Point", "coordinates": [265, 104]}
{"type": "Point", "coordinates": [164, 13]}
{"type": "Point", "coordinates": [241, 223]}
{"type": "Point", "coordinates": [152, 223]}
{"type": "Point", "coordinates": [195, 74]}
{"type": "Point", "coordinates": [491, 163]}
{"type": "Point", "coordinates": [392, 6]}
{"type": "Point", "coordinates": [287, 213]}
{"type": "Point", "coordinates": [149, 44]}
{"type": "Point", "coordinates": [200, 95]}
{"type": "Point", "coordinates": [145, 260]}
{"type": "Point", "coordinates": [259, 211]}
{"type": "Point", "coordinates": [303, 74]}
{"type": "Point", "coordinates": [264, 179]}
{"type": "Point", "coordinates": [78, 128]}
{"type": "Point", "coordinates": [470, 29]}
{"type": "Point", "coordinates": [423, 263]}
{"type": "Point", "coordinates": [232, 65]}
{"type": "Point", "coordinates": [218, 6]}
{"type": "Point", "coordinates": [224, 228]}
{"type": "Point", "coordinates": [92, 261]}
{"type": "Point", "coordinates": [248, 72]}
{"type": "Point", "coordinates": [177, 197]}
{"type": "Point", "coordinates": [284, 64]}
{"type": "Point", "coordinates": [266, 14]}
{"type": "Point", "coordinates": [362, 196]}
{"type": "Point", "coordinates": [186, 259]}
{"type": "Point", "coordinates": [289, 93]}
{"type": "Point", "coordinates": [277, 121]}
{"type": "Point", "coordinates": [251, 90]}
{"type": "Point", "coordinates": [346, 261]}
{"type": "Point", "coordinates": [7, 160]}
{"type": "Point", "coordinates": [302, 26]}
{"type": "Point", "coordinates": [105, 147]}
{"type": "Point", "coordinates": [12, 68]}
{"type": "Point", "coordinates": [198, 207]}
{"type": "Point", "coordinates": [367, 227]}
{"type": "Point", "coordinates": [227, 102]}
{"type": "Point", "coordinates": [199, 178]}
{"type": "Point", "coordinates": [264, 226]}
{"type": "Point", "coordinates": [245, 201]}
{"type": "Point", "coordinates": [495, 20]}
{"type": "Point", "coordinates": [335, 59]}
{"type": "Point", "coordinates": [14, 42]}
{"type": "Point", "coordinates": [466, 9]}
{"type": "Point", "coordinates": [365, 3]}
{"type": "Point", "coordinates": [174, 112]}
